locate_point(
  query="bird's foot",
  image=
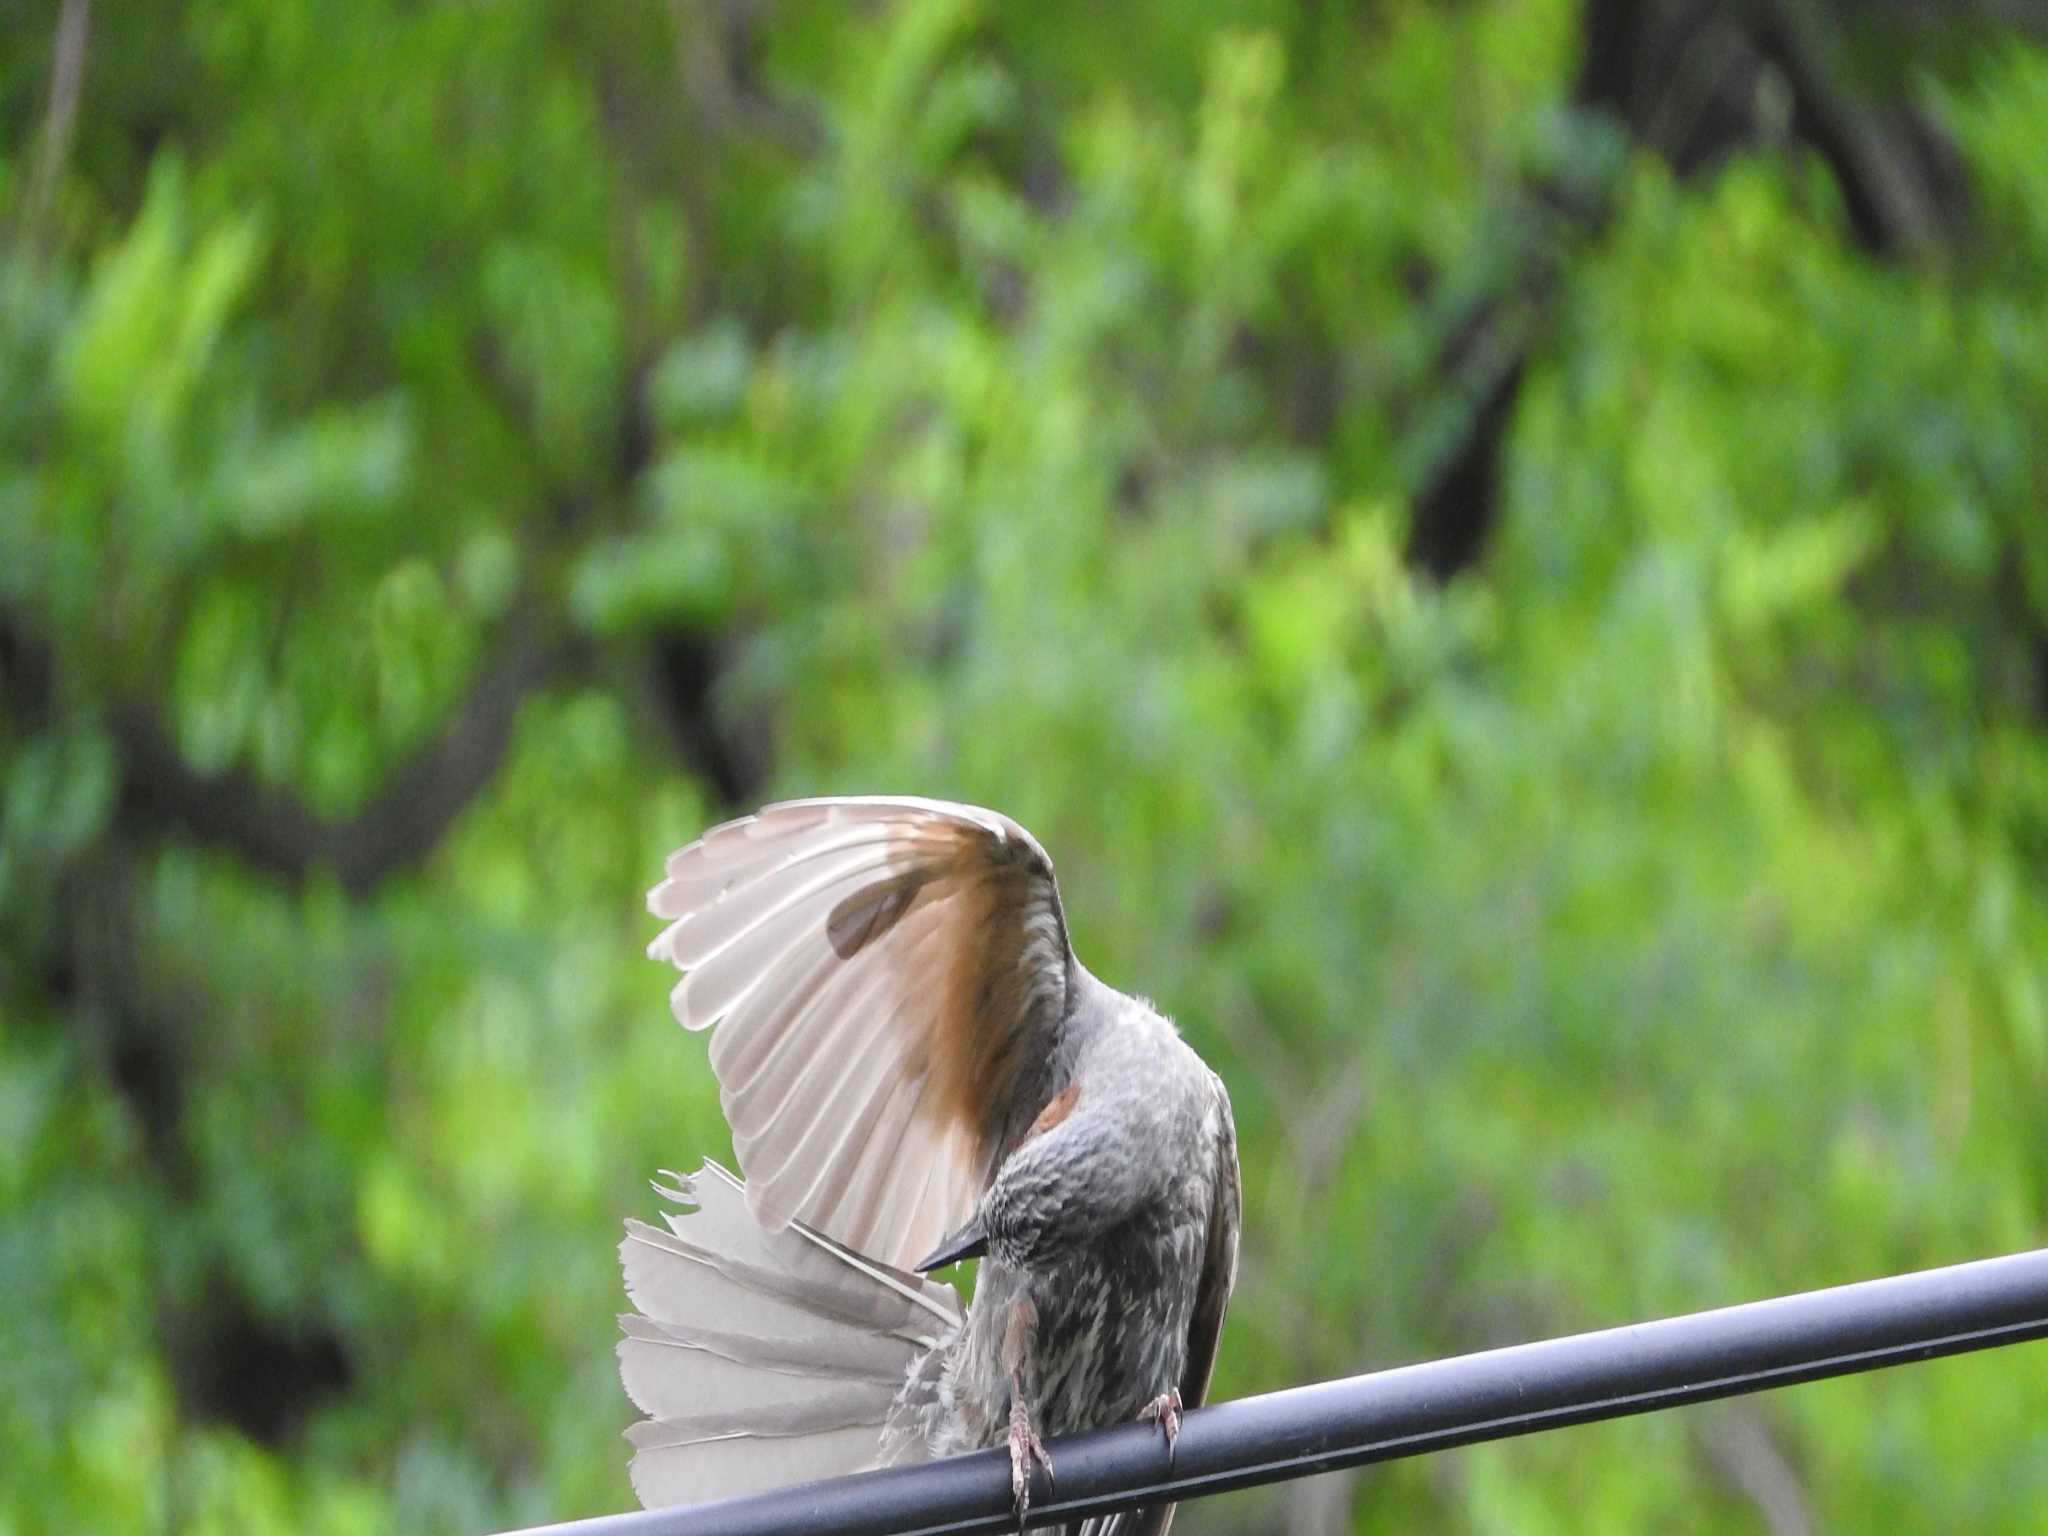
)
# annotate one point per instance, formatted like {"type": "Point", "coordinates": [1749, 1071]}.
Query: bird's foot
{"type": "Point", "coordinates": [1164, 1410]}
{"type": "Point", "coordinates": [1025, 1448]}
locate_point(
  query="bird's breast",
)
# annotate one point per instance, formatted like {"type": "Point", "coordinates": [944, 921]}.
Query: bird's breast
{"type": "Point", "coordinates": [1113, 1315]}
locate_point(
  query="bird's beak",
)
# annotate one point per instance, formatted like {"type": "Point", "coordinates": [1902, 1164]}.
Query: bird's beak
{"type": "Point", "coordinates": [970, 1242]}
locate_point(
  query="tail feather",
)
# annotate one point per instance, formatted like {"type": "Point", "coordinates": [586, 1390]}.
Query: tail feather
{"type": "Point", "coordinates": [797, 1262]}
{"type": "Point", "coordinates": [843, 1354]}
{"type": "Point", "coordinates": [694, 1470]}
{"type": "Point", "coordinates": [760, 1357]}
{"type": "Point", "coordinates": [671, 1379]}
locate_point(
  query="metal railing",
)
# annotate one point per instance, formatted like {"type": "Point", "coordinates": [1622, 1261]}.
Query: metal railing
{"type": "Point", "coordinates": [1410, 1410]}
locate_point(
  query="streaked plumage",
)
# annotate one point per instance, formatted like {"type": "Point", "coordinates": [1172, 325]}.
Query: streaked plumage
{"type": "Point", "coordinates": [912, 1059]}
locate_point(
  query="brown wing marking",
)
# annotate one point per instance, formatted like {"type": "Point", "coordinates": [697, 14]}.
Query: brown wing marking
{"type": "Point", "coordinates": [984, 1030]}
{"type": "Point", "coordinates": [869, 913]}
{"type": "Point", "coordinates": [1057, 1108]}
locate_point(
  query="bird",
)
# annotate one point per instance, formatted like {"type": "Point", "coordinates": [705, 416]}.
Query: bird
{"type": "Point", "coordinates": [917, 1070]}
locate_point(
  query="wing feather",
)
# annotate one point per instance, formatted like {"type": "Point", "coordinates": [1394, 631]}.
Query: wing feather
{"type": "Point", "coordinates": [840, 1086]}
{"type": "Point", "coordinates": [696, 940]}
{"type": "Point", "coordinates": [759, 957]}
{"type": "Point", "coordinates": [1219, 1260]}
{"type": "Point", "coordinates": [835, 1009]}
{"type": "Point", "coordinates": [833, 1127]}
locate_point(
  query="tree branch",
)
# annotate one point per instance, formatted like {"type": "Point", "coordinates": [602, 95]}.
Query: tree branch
{"type": "Point", "coordinates": [1901, 179]}
{"type": "Point", "coordinates": [273, 830]}
{"type": "Point", "coordinates": [60, 121]}
{"type": "Point", "coordinates": [1687, 80]}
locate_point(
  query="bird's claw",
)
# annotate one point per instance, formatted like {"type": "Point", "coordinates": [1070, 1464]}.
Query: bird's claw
{"type": "Point", "coordinates": [1025, 1448]}
{"type": "Point", "coordinates": [1164, 1410]}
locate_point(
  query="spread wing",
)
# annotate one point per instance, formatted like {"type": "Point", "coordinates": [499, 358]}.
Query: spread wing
{"type": "Point", "coordinates": [880, 972]}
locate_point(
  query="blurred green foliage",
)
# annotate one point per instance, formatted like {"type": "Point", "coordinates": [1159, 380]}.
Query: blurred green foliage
{"type": "Point", "coordinates": [1033, 406]}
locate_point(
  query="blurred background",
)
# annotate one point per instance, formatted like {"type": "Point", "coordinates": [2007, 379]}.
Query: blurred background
{"type": "Point", "coordinates": [1501, 545]}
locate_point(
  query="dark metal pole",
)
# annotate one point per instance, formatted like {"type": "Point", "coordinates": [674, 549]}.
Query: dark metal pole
{"type": "Point", "coordinates": [1413, 1409]}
